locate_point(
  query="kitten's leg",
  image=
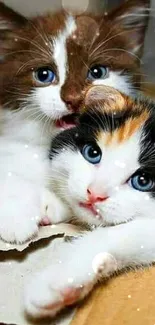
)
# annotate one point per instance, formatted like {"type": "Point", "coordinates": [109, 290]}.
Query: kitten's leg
{"type": "Point", "coordinates": [53, 209]}
{"type": "Point", "coordinates": [20, 203]}
{"type": "Point", "coordinates": [87, 259]}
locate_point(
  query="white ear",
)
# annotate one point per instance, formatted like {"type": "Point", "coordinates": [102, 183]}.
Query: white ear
{"type": "Point", "coordinates": [133, 18]}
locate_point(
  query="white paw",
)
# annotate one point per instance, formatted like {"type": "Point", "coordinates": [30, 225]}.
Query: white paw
{"type": "Point", "coordinates": [19, 218]}
{"type": "Point", "coordinates": [51, 291]}
{"type": "Point", "coordinates": [53, 209]}
{"type": "Point", "coordinates": [65, 283]}
{"type": "Point", "coordinates": [104, 264]}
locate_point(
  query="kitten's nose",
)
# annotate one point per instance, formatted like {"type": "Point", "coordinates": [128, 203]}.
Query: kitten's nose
{"type": "Point", "coordinates": [95, 197]}
{"type": "Point", "coordinates": [73, 102]}
{"type": "Point", "coordinates": [72, 97]}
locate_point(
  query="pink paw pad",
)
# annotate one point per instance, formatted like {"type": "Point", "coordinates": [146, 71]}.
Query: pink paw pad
{"type": "Point", "coordinates": [71, 295]}
{"type": "Point", "coordinates": [45, 222]}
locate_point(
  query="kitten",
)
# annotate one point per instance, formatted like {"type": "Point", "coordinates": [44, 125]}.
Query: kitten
{"type": "Point", "coordinates": [106, 175]}
{"type": "Point", "coordinates": [46, 62]}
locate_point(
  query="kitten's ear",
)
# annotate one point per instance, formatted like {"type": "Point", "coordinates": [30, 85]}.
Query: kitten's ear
{"type": "Point", "coordinates": [104, 96]}
{"type": "Point", "coordinates": [132, 17]}
{"type": "Point", "coordinates": [9, 19]}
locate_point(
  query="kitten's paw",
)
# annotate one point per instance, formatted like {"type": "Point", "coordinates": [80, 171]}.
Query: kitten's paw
{"type": "Point", "coordinates": [53, 209]}
{"type": "Point", "coordinates": [55, 288]}
{"type": "Point", "coordinates": [18, 230]}
{"type": "Point", "coordinates": [47, 296]}
{"type": "Point", "coordinates": [19, 219]}
{"type": "Point", "coordinates": [104, 264]}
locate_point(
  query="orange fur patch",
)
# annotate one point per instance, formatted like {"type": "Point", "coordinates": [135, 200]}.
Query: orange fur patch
{"type": "Point", "coordinates": [124, 132]}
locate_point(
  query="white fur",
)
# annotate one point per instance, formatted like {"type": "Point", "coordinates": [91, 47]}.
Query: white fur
{"type": "Point", "coordinates": [118, 81]}
{"type": "Point", "coordinates": [135, 15]}
{"type": "Point", "coordinates": [134, 18]}
{"type": "Point", "coordinates": [130, 242]}
{"type": "Point", "coordinates": [23, 164]}
{"type": "Point", "coordinates": [4, 24]}
{"type": "Point", "coordinates": [49, 97]}
{"type": "Point", "coordinates": [24, 144]}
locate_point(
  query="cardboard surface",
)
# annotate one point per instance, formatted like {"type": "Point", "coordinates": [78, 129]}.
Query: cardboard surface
{"type": "Point", "coordinates": [128, 299]}
{"type": "Point", "coordinates": [18, 262]}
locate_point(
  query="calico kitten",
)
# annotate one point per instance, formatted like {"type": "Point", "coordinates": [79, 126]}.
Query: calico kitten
{"type": "Point", "coordinates": [46, 62]}
{"type": "Point", "coordinates": [106, 175]}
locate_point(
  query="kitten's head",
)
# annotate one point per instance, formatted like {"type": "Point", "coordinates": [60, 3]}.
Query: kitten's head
{"type": "Point", "coordinates": [105, 167]}
{"type": "Point", "coordinates": [47, 62]}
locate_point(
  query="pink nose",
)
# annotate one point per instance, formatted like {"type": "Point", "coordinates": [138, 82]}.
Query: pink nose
{"type": "Point", "coordinates": [95, 197]}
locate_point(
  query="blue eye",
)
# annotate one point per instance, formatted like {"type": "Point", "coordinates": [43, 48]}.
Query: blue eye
{"type": "Point", "coordinates": [92, 153]}
{"type": "Point", "coordinates": [45, 75]}
{"type": "Point", "coordinates": [142, 182]}
{"type": "Point", "coordinates": [97, 72]}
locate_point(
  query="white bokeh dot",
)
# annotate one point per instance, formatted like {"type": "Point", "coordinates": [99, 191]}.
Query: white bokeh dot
{"type": "Point", "coordinates": [35, 156]}
{"type": "Point", "coordinates": [80, 6]}
{"type": "Point", "coordinates": [53, 226]}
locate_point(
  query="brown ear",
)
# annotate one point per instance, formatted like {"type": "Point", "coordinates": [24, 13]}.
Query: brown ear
{"type": "Point", "coordinates": [104, 96]}
{"type": "Point", "coordinates": [9, 19]}
{"type": "Point", "coordinates": [132, 17]}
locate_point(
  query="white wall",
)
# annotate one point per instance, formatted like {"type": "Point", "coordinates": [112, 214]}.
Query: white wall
{"type": "Point", "coordinates": [32, 7]}
{"type": "Point", "coordinates": [149, 53]}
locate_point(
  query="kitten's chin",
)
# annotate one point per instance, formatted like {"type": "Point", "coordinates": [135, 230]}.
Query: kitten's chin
{"type": "Point", "coordinates": [88, 214]}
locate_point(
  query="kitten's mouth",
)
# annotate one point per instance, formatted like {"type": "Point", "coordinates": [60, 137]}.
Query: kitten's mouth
{"type": "Point", "coordinates": [91, 207]}
{"type": "Point", "coordinates": [67, 121]}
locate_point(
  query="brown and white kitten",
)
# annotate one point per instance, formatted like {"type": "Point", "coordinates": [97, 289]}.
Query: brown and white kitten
{"type": "Point", "coordinates": [46, 63]}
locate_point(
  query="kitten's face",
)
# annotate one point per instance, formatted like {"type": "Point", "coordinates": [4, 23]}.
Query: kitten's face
{"type": "Point", "coordinates": [106, 171]}
{"type": "Point", "coordinates": [48, 62]}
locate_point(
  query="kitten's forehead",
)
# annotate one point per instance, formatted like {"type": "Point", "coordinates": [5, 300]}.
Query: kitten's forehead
{"type": "Point", "coordinates": [86, 27]}
{"type": "Point", "coordinates": [114, 117]}
{"type": "Point", "coordinates": [127, 129]}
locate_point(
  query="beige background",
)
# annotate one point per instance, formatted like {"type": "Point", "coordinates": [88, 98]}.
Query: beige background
{"type": "Point", "coordinates": [32, 7]}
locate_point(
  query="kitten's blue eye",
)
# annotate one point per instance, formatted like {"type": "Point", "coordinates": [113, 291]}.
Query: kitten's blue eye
{"type": "Point", "coordinates": [92, 153]}
{"type": "Point", "coordinates": [45, 75]}
{"type": "Point", "coordinates": [97, 72]}
{"type": "Point", "coordinates": [142, 182]}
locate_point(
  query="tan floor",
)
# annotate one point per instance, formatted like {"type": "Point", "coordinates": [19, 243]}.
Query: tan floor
{"type": "Point", "coordinates": [128, 299]}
